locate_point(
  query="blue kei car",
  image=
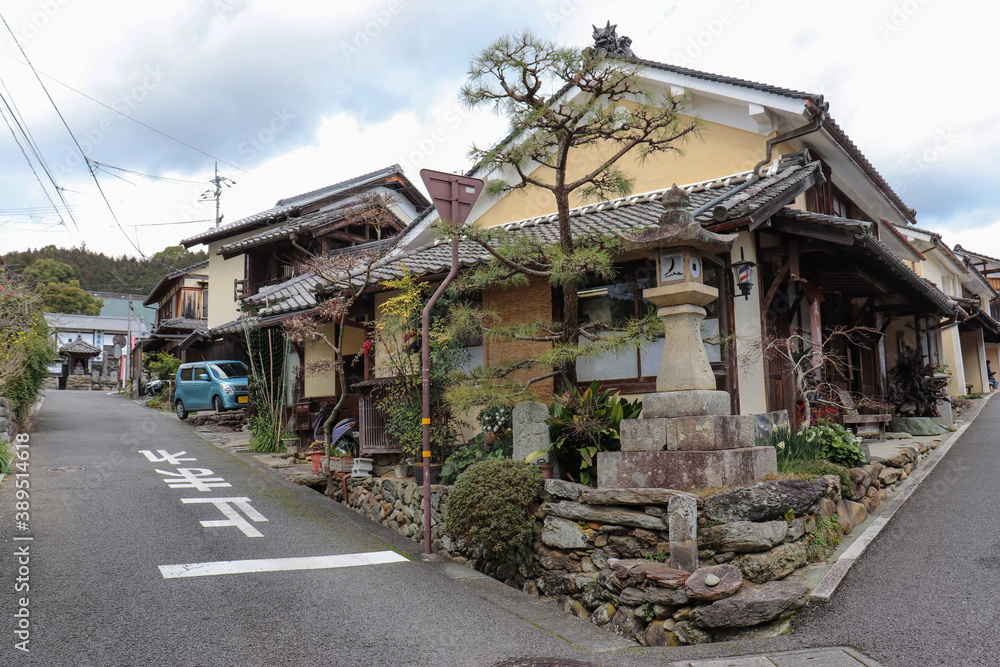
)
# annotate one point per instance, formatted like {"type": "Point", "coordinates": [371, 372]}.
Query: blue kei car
{"type": "Point", "coordinates": [210, 385]}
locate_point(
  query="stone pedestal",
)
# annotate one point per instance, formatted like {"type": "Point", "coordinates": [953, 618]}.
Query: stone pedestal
{"type": "Point", "coordinates": [686, 440]}
{"type": "Point", "coordinates": [685, 469]}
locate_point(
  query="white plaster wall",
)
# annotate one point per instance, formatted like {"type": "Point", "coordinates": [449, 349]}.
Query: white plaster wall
{"type": "Point", "coordinates": [750, 364]}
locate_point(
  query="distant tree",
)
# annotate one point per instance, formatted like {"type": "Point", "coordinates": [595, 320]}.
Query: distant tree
{"type": "Point", "coordinates": [68, 298]}
{"type": "Point", "coordinates": [45, 270]}
{"type": "Point", "coordinates": [174, 256]}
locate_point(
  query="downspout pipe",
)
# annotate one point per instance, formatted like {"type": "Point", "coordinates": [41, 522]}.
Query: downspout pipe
{"type": "Point", "coordinates": [818, 112]}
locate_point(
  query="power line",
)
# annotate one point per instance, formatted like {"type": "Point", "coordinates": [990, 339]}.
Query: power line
{"type": "Point", "coordinates": [120, 113]}
{"type": "Point", "coordinates": [72, 136]}
{"type": "Point", "coordinates": [149, 176]}
{"type": "Point", "coordinates": [18, 120]}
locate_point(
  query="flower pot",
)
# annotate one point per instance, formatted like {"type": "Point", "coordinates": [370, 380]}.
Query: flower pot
{"type": "Point", "coordinates": [317, 460]}
{"type": "Point", "coordinates": [546, 469]}
{"type": "Point", "coordinates": [402, 470]}
{"type": "Point", "coordinates": [418, 473]}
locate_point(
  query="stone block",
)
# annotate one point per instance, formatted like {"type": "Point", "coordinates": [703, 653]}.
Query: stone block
{"type": "Point", "coordinates": [562, 534]}
{"type": "Point", "coordinates": [743, 536]}
{"type": "Point", "coordinates": [607, 514]}
{"type": "Point", "coordinates": [752, 606]}
{"type": "Point", "coordinates": [682, 522]}
{"type": "Point", "coordinates": [685, 470]}
{"type": "Point", "coordinates": [714, 582]}
{"type": "Point", "coordinates": [777, 563]}
{"type": "Point", "coordinates": [530, 431]}
{"type": "Point", "coordinates": [766, 501]}
{"type": "Point", "coordinates": [593, 496]}
{"type": "Point", "coordinates": [693, 402]}
{"type": "Point", "coordinates": [700, 433]}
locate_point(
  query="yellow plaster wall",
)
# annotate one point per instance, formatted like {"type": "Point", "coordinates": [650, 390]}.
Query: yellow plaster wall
{"type": "Point", "coordinates": [326, 384]}
{"type": "Point", "coordinates": [719, 151]}
{"type": "Point", "coordinates": [222, 307]}
{"type": "Point", "coordinates": [952, 354]}
{"type": "Point", "coordinates": [974, 360]}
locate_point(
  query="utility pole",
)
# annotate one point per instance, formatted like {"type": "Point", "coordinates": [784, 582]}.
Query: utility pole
{"type": "Point", "coordinates": [209, 195]}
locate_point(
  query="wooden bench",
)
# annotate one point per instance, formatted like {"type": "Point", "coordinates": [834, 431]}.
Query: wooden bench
{"type": "Point", "coordinates": [851, 415]}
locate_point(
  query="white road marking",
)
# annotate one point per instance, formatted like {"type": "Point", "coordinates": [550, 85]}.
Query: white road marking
{"type": "Point", "coordinates": [165, 457]}
{"type": "Point", "coordinates": [234, 518]}
{"type": "Point", "coordinates": [279, 564]}
{"type": "Point", "coordinates": [193, 478]}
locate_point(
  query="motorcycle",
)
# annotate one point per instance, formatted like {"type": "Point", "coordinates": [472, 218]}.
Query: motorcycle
{"type": "Point", "coordinates": [345, 434]}
{"type": "Point", "coordinates": [154, 387]}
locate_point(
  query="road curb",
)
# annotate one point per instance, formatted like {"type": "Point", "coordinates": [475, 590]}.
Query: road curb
{"type": "Point", "coordinates": [828, 584]}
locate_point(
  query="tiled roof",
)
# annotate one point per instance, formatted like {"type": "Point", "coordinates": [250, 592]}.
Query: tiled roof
{"type": "Point", "coordinates": [180, 323]}
{"type": "Point", "coordinates": [608, 217]}
{"type": "Point", "coordinates": [287, 206]}
{"type": "Point", "coordinates": [743, 83]}
{"type": "Point", "coordinates": [306, 222]}
{"type": "Point", "coordinates": [857, 226]}
{"type": "Point", "coordinates": [79, 346]}
{"type": "Point", "coordinates": [161, 286]}
{"type": "Point", "coordinates": [877, 251]}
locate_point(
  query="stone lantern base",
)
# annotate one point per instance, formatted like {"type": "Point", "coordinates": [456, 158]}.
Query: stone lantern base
{"type": "Point", "coordinates": [685, 440]}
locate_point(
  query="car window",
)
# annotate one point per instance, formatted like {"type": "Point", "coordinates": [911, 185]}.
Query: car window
{"type": "Point", "coordinates": [186, 373]}
{"type": "Point", "coordinates": [198, 370]}
{"type": "Point", "coordinates": [227, 371]}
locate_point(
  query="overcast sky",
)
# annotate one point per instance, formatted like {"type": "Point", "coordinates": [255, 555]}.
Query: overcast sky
{"type": "Point", "coordinates": [292, 95]}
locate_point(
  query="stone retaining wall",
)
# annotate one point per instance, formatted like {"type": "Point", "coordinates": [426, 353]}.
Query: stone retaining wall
{"type": "Point", "coordinates": [661, 566]}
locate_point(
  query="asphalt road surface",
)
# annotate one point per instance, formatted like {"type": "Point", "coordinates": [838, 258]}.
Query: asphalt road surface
{"type": "Point", "coordinates": [103, 520]}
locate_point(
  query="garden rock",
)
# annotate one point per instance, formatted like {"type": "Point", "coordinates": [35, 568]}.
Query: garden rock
{"type": "Point", "coordinates": [916, 426]}
{"type": "Point", "coordinates": [613, 515]}
{"type": "Point", "coordinates": [687, 633]}
{"type": "Point", "coordinates": [603, 614]}
{"type": "Point", "coordinates": [774, 564]}
{"type": "Point", "coordinates": [562, 534]}
{"type": "Point", "coordinates": [765, 501]}
{"type": "Point", "coordinates": [751, 606]}
{"type": "Point", "coordinates": [657, 634]}
{"type": "Point", "coordinates": [661, 595]}
{"type": "Point", "coordinates": [629, 496]}
{"type": "Point", "coordinates": [833, 490]}
{"type": "Point", "coordinates": [796, 529]}
{"type": "Point", "coordinates": [632, 596]}
{"type": "Point", "coordinates": [530, 431]}
{"type": "Point", "coordinates": [743, 536]}
{"type": "Point", "coordinates": [636, 570]}
{"type": "Point", "coordinates": [558, 488]}
{"type": "Point", "coordinates": [851, 515]}
{"type": "Point", "coordinates": [625, 623]}
{"type": "Point", "coordinates": [727, 580]}
{"type": "Point", "coordinates": [889, 476]}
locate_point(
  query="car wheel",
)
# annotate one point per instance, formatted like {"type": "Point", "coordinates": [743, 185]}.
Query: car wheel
{"type": "Point", "coordinates": [217, 403]}
{"type": "Point", "coordinates": [182, 412]}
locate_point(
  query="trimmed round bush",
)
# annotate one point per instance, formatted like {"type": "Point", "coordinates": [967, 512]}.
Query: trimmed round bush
{"type": "Point", "coordinates": [492, 504]}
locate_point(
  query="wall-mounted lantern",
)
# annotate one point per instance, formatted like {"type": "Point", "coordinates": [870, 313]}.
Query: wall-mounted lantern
{"type": "Point", "coordinates": [743, 272]}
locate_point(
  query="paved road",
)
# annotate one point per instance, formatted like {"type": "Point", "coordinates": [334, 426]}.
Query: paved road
{"type": "Point", "coordinates": [103, 521]}
{"type": "Point", "coordinates": [927, 591]}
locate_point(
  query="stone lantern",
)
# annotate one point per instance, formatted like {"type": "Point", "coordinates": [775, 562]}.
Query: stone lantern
{"type": "Point", "coordinates": [687, 436]}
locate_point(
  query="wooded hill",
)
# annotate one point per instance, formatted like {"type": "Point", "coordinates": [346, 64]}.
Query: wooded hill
{"type": "Point", "coordinates": [99, 273]}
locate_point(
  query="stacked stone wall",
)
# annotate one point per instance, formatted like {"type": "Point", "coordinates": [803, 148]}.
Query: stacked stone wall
{"type": "Point", "coordinates": [659, 566]}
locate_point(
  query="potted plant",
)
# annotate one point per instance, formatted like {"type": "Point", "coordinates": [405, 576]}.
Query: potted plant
{"type": "Point", "coordinates": [316, 454]}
